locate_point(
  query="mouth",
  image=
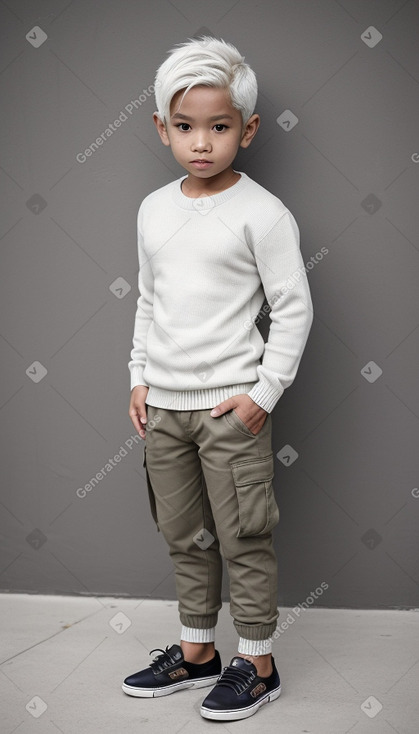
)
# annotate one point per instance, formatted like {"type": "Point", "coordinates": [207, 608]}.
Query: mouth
{"type": "Point", "coordinates": [201, 163]}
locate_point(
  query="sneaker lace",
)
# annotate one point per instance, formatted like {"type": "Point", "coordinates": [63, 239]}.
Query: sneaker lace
{"type": "Point", "coordinates": [163, 661]}
{"type": "Point", "coordinates": [236, 679]}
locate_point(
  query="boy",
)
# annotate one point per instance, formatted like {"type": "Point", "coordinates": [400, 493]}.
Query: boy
{"type": "Point", "coordinates": [211, 245]}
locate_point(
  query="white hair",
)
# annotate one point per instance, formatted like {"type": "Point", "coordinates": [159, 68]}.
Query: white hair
{"type": "Point", "coordinates": [207, 61]}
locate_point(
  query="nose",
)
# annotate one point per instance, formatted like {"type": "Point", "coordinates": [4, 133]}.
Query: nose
{"type": "Point", "coordinates": [200, 143]}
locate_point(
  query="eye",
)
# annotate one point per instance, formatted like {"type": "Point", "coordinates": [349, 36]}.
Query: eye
{"type": "Point", "coordinates": [183, 126]}
{"type": "Point", "coordinates": [218, 126]}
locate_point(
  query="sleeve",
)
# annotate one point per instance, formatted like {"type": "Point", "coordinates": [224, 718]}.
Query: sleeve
{"type": "Point", "coordinates": [144, 313]}
{"type": "Point", "coordinates": [284, 280]}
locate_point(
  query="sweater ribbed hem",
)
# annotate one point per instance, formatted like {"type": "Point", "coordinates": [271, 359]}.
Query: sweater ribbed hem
{"type": "Point", "coordinates": [192, 634]}
{"type": "Point", "coordinates": [194, 399]}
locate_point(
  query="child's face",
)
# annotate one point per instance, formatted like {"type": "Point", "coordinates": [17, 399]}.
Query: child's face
{"type": "Point", "coordinates": [205, 131]}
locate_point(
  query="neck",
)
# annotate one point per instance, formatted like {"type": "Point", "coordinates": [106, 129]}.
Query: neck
{"type": "Point", "coordinates": [195, 187]}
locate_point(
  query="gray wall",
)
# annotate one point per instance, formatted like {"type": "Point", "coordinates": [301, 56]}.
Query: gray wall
{"type": "Point", "coordinates": [348, 170]}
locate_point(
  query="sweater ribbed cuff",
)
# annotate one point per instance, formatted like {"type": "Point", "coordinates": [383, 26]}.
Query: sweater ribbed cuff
{"type": "Point", "coordinates": [264, 395]}
{"type": "Point", "coordinates": [136, 376]}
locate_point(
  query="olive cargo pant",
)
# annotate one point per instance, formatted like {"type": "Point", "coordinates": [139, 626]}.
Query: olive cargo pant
{"type": "Point", "coordinates": [210, 489]}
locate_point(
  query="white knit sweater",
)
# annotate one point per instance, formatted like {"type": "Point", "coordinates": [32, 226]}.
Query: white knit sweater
{"type": "Point", "coordinates": [205, 266]}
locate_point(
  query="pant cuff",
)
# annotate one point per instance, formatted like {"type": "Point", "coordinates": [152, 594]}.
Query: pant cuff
{"type": "Point", "coordinates": [201, 622]}
{"type": "Point", "coordinates": [255, 647]}
{"type": "Point", "coordinates": [255, 631]}
{"type": "Point", "coordinates": [192, 634]}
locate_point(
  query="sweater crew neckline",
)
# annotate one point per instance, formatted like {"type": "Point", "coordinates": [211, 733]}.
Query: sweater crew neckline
{"type": "Point", "coordinates": [205, 202]}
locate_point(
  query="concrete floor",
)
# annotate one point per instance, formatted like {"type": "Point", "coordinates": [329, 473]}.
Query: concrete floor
{"type": "Point", "coordinates": [63, 660]}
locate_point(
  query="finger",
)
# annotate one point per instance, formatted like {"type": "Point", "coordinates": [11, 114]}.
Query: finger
{"type": "Point", "coordinates": [136, 421]}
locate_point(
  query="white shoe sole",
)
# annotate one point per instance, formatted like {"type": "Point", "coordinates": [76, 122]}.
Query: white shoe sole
{"type": "Point", "coordinates": [232, 714]}
{"type": "Point", "coordinates": [167, 690]}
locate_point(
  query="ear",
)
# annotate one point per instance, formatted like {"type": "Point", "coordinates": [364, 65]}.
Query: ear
{"type": "Point", "coordinates": [250, 130]}
{"type": "Point", "coordinates": [161, 129]}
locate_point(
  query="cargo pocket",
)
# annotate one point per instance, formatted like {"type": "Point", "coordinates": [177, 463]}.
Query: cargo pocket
{"type": "Point", "coordinates": [258, 511]}
{"type": "Point", "coordinates": [151, 497]}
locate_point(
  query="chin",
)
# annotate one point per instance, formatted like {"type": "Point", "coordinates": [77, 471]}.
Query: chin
{"type": "Point", "coordinates": [202, 174]}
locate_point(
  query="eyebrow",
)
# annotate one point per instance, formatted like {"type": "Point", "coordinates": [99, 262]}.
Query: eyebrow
{"type": "Point", "coordinates": [211, 119]}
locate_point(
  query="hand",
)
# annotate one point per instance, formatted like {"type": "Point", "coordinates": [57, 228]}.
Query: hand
{"type": "Point", "coordinates": [248, 411]}
{"type": "Point", "coordinates": [137, 408]}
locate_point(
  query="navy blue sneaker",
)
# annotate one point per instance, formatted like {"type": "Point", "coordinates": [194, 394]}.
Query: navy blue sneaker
{"type": "Point", "coordinates": [169, 672]}
{"type": "Point", "coordinates": [240, 691]}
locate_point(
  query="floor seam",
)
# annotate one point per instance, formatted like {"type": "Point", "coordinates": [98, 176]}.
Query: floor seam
{"type": "Point", "coordinates": [41, 642]}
